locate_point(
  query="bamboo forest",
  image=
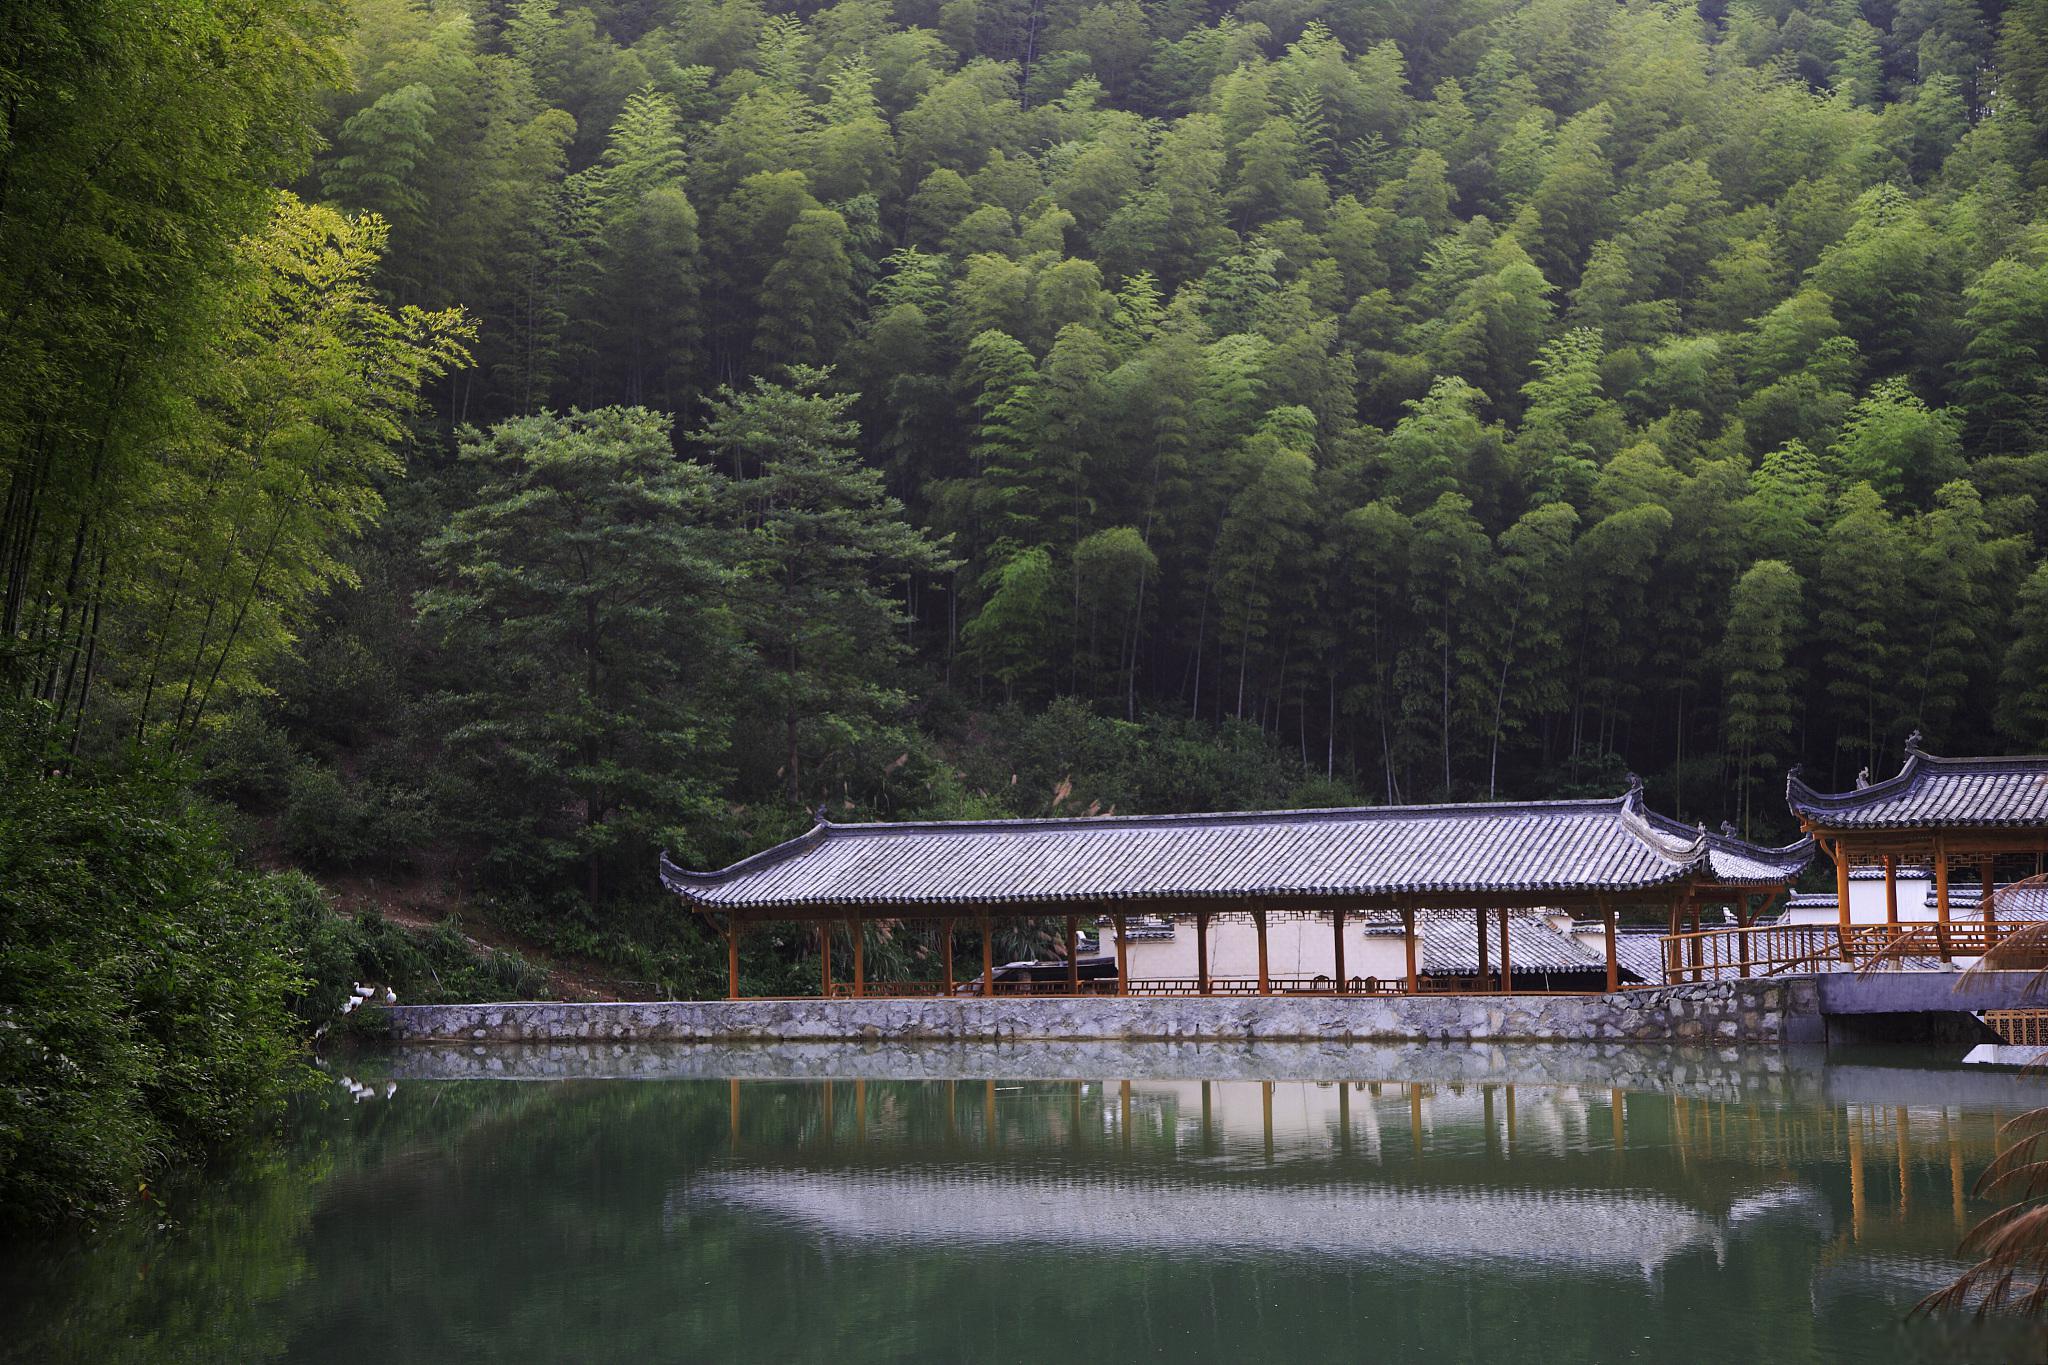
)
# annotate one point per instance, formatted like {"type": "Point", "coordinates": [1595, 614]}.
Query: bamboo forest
{"type": "Point", "coordinates": [453, 451]}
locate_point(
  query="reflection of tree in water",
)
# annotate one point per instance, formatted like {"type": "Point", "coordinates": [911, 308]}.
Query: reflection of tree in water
{"type": "Point", "coordinates": [581, 1219]}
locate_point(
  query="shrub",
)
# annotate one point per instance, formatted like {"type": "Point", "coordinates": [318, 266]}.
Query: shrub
{"type": "Point", "coordinates": [144, 981]}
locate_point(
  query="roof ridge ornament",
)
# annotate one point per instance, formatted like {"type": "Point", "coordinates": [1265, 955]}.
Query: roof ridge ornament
{"type": "Point", "coordinates": [1863, 777]}
{"type": "Point", "coordinates": [822, 814]}
{"type": "Point", "coordinates": [1913, 745]}
{"type": "Point", "coordinates": [1728, 830]}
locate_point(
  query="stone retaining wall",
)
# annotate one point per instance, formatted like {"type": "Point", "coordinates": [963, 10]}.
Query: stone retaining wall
{"type": "Point", "coordinates": [1778, 1011]}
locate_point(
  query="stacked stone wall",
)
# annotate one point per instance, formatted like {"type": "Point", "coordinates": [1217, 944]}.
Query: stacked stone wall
{"type": "Point", "coordinates": [1720, 1013]}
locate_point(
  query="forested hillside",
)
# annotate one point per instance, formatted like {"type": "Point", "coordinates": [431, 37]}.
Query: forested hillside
{"type": "Point", "coordinates": [469, 447]}
{"type": "Point", "coordinates": [1474, 397]}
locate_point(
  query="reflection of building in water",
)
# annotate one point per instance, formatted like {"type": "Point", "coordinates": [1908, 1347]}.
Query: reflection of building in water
{"type": "Point", "coordinates": [1615, 1232]}
{"type": "Point", "coordinates": [1538, 1175]}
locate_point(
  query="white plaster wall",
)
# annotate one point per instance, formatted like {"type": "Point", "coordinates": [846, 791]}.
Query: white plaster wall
{"type": "Point", "coordinates": [1294, 947]}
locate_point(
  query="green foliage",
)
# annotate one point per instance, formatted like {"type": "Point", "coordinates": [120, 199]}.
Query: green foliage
{"type": "Point", "coordinates": [577, 588]}
{"type": "Point", "coordinates": [145, 981]}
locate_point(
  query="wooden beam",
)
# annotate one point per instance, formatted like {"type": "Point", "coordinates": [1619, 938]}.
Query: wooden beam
{"type": "Point", "coordinates": [1507, 966]}
{"type": "Point", "coordinates": [1613, 963]}
{"type": "Point", "coordinates": [1123, 958]}
{"type": "Point", "coordinates": [1480, 934]}
{"type": "Point", "coordinates": [946, 961]}
{"type": "Point", "coordinates": [1408, 934]}
{"type": "Point", "coordinates": [1073, 956]}
{"type": "Point", "coordinates": [1202, 954]}
{"type": "Point", "coordinates": [825, 958]}
{"type": "Point", "coordinates": [1985, 868]}
{"type": "Point", "coordinates": [1337, 947]}
{"type": "Point", "coordinates": [1265, 978]}
{"type": "Point", "coordinates": [988, 974]}
{"type": "Point", "coordinates": [1891, 891]}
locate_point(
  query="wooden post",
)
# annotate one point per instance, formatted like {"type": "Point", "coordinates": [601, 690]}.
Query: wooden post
{"type": "Point", "coordinates": [1265, 980]}
{"type": "Point", "coordinates": [825, 958]}
{"type": "Point", "coordinates": [946, 963]}
{"type": "Point", "coordinates": [1073, 957]}
{"type": "Point", "coordinates": [1202, 954]}
{"type": "Point", "coordinates": [1479, 933]}
{"type": "Point", "coordinates": [1613, 963]}
{"type": "Point", "coordinates": [1699, 946]}
{"type": "Point", "coordinates": [1842, 898]}
{"type": "Point", "coordinates": [1674, 952]}
{"type": "Point", "coordinates": [1985, 868]}
{"type": "Point", "coordinates": [1123, 969]}
{"type": "Point", "coordinates": [1408, 934]}
{"type": "Point", "coordinates": [1507, 966]}
{"type": "Point", "coordinates": [860, 979]}
{"type": "Point", "coordinates": [1891, 891]}
{"type": "Point", "coordinates": [1941, 897]}
{"type": "Point", "coordinates": [988, 960]}
{"type": "Point", "coordinates": [1742, 923]}
{"type": "Point", "coordinates": [1337, 948]}
{"type": "Point", "coordinates": [732, 959]}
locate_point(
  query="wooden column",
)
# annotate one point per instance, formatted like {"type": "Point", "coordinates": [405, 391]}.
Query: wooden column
{"type": "Point", "coordinates": [1507, 966]}
{"type": "Point", "coordinates": [1265, 980]}
{"type": "Point", "coordinates": [1842, 897]}
{"type": "Point", "coordinates": [1613, 963]}
{"type": "Point", "coordinates": [1672, 950]}
{"type": "Point", "coordinates": [732, 959]}
{"type": "Point", "coordinates": [1699, 946]}
{"type": "Point", "coordinates": [1941, 897]}
{"type": "Point", "coordinates": [1479, 934]}
{"type": "Point", "coordinates": [1985, 868]}
{"type": "Point", "coordinates": [1202, 953]}
{"type": "Point", "coordinates": [1123, 958]}
{"type": "Point", "coordinates": [1408, 935]}
{"type": "Point", "coordinates": [1891, 891]}
{"type": "Point", "coordinates": [1073, 957]}
{"type": "Point", "coordinates": [825, 958]}
{"type": "Point", "coordinates": [946, 960]}
{"type": "Point", "coordinates": [860, 977]}
{"type": "Point", "coordinates": [1742, 923]}
{"type": "Point", "coordinates": [1337, 948]}
{"type": "Point", "coordinates": [988, 962]}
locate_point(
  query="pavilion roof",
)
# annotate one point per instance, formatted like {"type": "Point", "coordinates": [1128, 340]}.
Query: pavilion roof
{"type": "Point", "coordinates": [1934, 793]}
{"type": "Point", "coordinates": [1496, 848]}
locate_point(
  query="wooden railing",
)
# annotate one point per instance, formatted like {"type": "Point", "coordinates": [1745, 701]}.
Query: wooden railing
{"type": "Point", "coordinates": [1781, 949]}
{"type": "Point", "coordinates": [2025, 1028]}
{"type": "Point", "coordinates": [1760, 950]}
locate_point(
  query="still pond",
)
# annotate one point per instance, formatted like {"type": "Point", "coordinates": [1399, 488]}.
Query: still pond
{"type": "Point", "coordinates": [1061, 1204]}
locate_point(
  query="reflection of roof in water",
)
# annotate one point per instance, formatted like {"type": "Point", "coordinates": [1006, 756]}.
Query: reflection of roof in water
{"type": "Point", "coordinates": [1618, 1232]}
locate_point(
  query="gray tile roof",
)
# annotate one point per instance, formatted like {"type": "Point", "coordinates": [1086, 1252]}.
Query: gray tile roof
{"type": "Point", "coordinates": [1448, 943]}
{"type": "Point", "coordinates": [1934, 793]}
{"type": "Point", "coordinates": [1562, 846]}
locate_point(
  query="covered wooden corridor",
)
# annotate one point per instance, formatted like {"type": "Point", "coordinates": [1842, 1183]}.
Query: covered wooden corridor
{"type": "Point", "coordinates": [1496, 862]}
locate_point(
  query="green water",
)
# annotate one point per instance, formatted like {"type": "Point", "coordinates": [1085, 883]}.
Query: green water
{"type": "Point", "coordinates": [1232, 1205]}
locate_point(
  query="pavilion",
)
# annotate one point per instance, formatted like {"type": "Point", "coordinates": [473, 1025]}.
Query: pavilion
{"type": "Point", "coordinates": [1593, 857]}
{"type": "Point", "coordinates": [1939, 812]}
